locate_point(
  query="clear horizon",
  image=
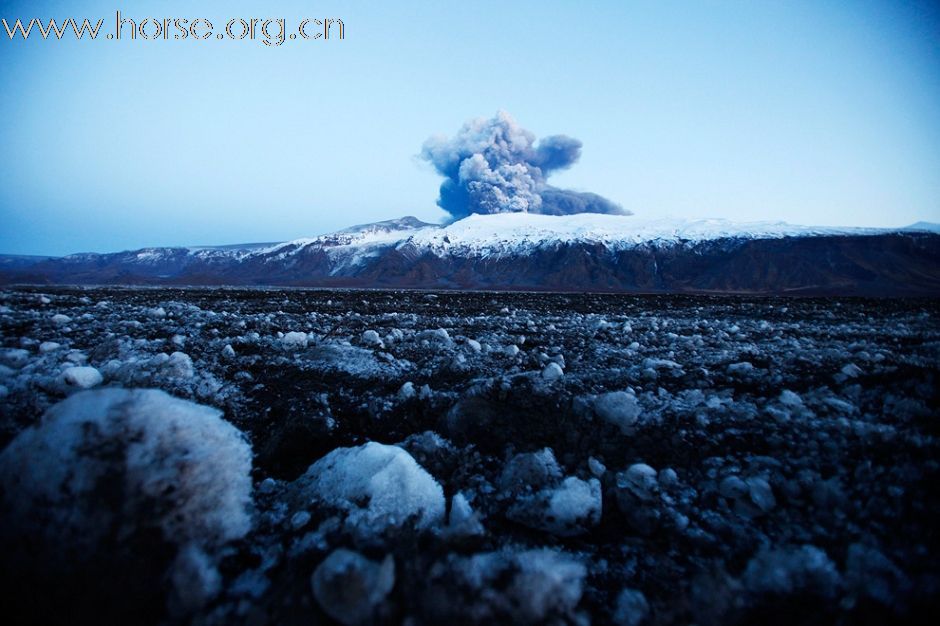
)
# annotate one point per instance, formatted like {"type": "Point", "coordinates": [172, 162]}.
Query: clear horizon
{"type": "Point", "coordinates": [813, 113]}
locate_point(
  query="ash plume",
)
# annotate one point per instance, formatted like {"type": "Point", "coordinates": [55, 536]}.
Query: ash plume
{"type": "Point", "coordinates": [496, 166]}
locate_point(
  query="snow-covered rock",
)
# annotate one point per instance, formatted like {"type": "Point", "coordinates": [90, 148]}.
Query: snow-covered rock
{"type": "Point", "coordinates": [618, 408]}
{"type": "Point", "coordinates": [179, 365]}
{"type": "Point", "coordinates": [84, 377]}
{"type": "Point", "coordinates": [566, 510]}
{"type": "Point", "coordinates": [638, 497]}
{"type": "Point", "coordinates": [787, 570]}
{"type": "Point", "coordinates": [552, 371]}
{"type": "Point", "coordinates": [349, 587]}
{"type": "Point", "coordinates": [632, 608]}
{"type": "Point", "coordinates": [407, 391]}
{"type": "Point", "coordinates": [749, 497]}
{"type": "Point", "coordinates": [48, 346]}
{"type": "Point", "coordinates": [294, 340]}
{"type": "Point", "coordinates": [463, 520]}
{"type": "Point", "coordinates": [371, 338]}
{"type": "Point", "coordinates": [380, 487]}
{"type": "Point", "coordinates": [14, 357]}
{"type": "Point", "coordinates": [639, 480]}
{"type": "Point", "coordinates": [790, 399]}
{"type": "Point", "coordinates": [537, 587]}
{"type": "Point", "coordinates": [108, 467]}
{"type": "Point", "coordinates": [530, 470]}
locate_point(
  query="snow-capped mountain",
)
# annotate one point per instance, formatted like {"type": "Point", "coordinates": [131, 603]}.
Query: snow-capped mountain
{"type": "Point", "coordinates": [528, 251]}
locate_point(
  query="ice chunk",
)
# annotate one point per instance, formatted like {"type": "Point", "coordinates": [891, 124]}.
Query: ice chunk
{"type": "Point", "coordinates": [870, 574]}
{"type": "Point", "coordinates": [186, 470]}
{"type": "Point", "coordinates": [572, 507]}
{"type": "Point", "coordinates": [407, 391]}
{"type": "Point", "coordinates": [565, 511]}
{"type": "Point", "coordinates": [76, 356]}
{"type": "Point", "coordinates": [439, 337]}
{"type": "Point", "coordinates": [59, 319]}
{"type": "Point", "coordinates": [640, 480]}
{"type": "Point", "coordinates": [547, 582]}
{"type": "Point", "coordinates": [792, 569]}
{"type": "Point", "coordinates": [351, 587]}
{"type": "Point", "coordinates": [294, 340]}
{"type": "Point", "coordinates": [530, 470]}
{"type": "Point", "coordinates": [194, 580]}
{"type": "Point", "coordinates": [48, 346]}
{"type": "Point", "coordinates": [299, 519]}
{"type": "Point", "coordinates": [653, 363]}
{"type": "Point", "coordinates": [228, 351]}
{"type": "Point", "coordinates": [179, 365]}
{"type": "Point", "coordinates": [790, 399]}
{"type": "Point", "coordinates": [552, 371]}
{"type": "Point", "coordinates": [463, 520]}
{"type": "Point", "coordinates": [618, 408]}
{"type": "Point", "coordinates": [638, 497]}
{"type": "Point", "coordinates": [740, 368]}
{"type": "Point", "coordinates": [543, 501]}
{"type": "Point", "coordinates": [379, 486]}
{"type": "Point", "coordinates": [14, 357]}
{"type": "Point", "coordinates": [532, 587]}
{"type": "Point", "coordinates": [761, 494]}
{"type": "Point", "coordinates": [851, 370]}
{"type": "Point", "coordinates": [732, 487]}
{"type": "Point", "coordinates": [82, 377]}
{"type": "Point", "coordinates": [371, 338]}
{"type": "Point", "coordinates": [668, 478]}
{"type": "Point", "coordinates": [632, 608]}
{"type": "Point", "coordinates": [109, 468]}
{"type": "Point", "coordinates": [440, 334]}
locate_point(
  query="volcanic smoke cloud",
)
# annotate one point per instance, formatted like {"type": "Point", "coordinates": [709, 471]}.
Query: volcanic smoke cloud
{"type": "Point", "coordinates": [494, 166]}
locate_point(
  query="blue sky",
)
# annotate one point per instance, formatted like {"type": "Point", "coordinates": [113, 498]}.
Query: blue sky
{"type": "Point", "coordinates": [811, 112]}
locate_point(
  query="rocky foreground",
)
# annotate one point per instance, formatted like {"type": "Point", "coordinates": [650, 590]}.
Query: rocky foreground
{"type": "Point", "coordinates": [261, 456]}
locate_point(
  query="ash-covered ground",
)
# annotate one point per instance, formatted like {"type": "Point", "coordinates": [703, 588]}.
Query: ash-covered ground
{"type": "Point", "coordinates": [471, 458]}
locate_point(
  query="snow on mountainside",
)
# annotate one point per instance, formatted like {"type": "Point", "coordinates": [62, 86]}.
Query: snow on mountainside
{"type": "Point", "coordinates": [384, 233]}
{"type": "Point", "coordinates": [503, 233]}
{"type": "Point", "coordinates": [540, 252]}
{"type": "Point", "coordinates": [925, 227]}
{"type": "Point", "coordinates": [518, 233]}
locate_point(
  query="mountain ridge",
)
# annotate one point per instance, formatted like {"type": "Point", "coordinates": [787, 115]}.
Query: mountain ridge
{"type": "Point", "coordinates": [537, 252]}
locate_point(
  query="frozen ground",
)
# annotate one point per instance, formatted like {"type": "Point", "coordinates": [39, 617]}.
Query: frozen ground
{"type": "Point", "coordinates": [472, 458]}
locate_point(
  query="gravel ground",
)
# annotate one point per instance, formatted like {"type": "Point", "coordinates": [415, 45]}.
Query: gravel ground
{"type": "Point", "coordinates": [475, 458]}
